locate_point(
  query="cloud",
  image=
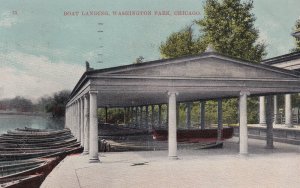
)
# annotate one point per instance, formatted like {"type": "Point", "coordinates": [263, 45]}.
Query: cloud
{"type": "Point", "coordinates": [7, 20]}
{"type": "Point", "coordinates": [34, 76]}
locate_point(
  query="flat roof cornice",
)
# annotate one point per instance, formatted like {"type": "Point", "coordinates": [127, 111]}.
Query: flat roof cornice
{"type": "Point", "coordinates": [282, 58]}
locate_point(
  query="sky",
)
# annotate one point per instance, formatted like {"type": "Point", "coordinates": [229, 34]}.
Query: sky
{"type": "Point", "coordinates": [44, 43]}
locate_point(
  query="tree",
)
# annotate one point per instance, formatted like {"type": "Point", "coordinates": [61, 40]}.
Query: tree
{"type": "Point", "coordinates": [297, 40]}
{"type": "Point", "coordinates": [57, 104]}
{"type": "Point", "coordinates": [228, 25]}
{"type": "Point", "coordinates": [181, 43]}
{"type": "Point", "coordinates": [44, 103]}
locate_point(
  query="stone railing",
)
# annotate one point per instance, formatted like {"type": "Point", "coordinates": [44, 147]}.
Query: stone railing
{"type": "Point", "coordinates": [284, 135]}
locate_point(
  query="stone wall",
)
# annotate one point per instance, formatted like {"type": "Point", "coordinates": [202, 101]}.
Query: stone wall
{"type": "Point", "coordinates": [284, 135]}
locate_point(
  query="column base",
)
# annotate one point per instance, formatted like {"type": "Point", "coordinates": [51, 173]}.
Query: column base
{"type": "Point", "coordinates": [244, 154]}
{"type": "Point", "coordinates": [85, 153]}
{"type": "Point", "coordinates": [289, 126]}
{"type": "Point", "coordinates": [173, 158]}
{"type": "Point", "coordinates": [269, 147]}
{"type": "Point", "coordinates": [94, 160]}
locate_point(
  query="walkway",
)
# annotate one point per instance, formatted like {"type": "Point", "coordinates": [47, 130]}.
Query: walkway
{"type": "Point", "coordinates": [196, 168]}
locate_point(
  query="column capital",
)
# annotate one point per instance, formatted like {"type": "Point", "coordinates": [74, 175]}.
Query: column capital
{"type": "Point", "coordinates": [93, 92]}
{"type": "Point", "coordinates": [85, 96]}
{"type": "Point", "coordinates": [172, 93]}
{"type": "Point", "coordinates": [244, 92]}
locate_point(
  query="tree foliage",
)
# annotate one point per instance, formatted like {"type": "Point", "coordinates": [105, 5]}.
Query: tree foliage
{"type": "Point", "coordinates": [297, 41]}
{"type": "Point", "coordinates": [181, 43]}
{"type": "Point", "coordinates": [228, 25]}
{"type": "Point", "coordinates": [57, 104]}
{"type": "Point", "coordinates": [18, 103]}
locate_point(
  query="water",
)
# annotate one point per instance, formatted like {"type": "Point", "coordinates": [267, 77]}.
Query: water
{"type": "Point", "coordinates": [10, 122]}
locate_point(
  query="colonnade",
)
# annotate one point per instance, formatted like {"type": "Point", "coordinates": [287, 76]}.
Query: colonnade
{"type": "Point", "coordinates": [243, 144]}
{"type": "Point", "coordinates": [82, 120]}
{"type": "Point", "coordinates": [172, 138]}
{"type": "Point", "coordinates": [287, 111]}
{"type": "Point", "coordinates": [139, 116]}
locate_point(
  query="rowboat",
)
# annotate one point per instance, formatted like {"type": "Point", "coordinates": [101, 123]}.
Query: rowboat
{"type": "Point", "coordinates": [30, 181]}
{"type": "Point", "coordinates": [26, 167]}
{"type": "Point", "coordinates": [21, 132]}
{"type": "Point", "coordinates": [28, 155]}
{"type": "Point", "coordinates": [11, 148]}
{"type": "Point", "coordinates": [25, 142]}
{"type": "Point", "coordinates": [33, 140]}
{"type": "Point", "coordinates": [194, 135]}
{"type": "Point", "coordinates": [26, 135]}
{"type": "Point", "coordinates": [20, 155]}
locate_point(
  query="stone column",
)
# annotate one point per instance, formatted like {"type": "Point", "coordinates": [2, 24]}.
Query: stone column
{"type": "Point", "coordinates": [66, 117]}
{"type": "Point", "coordinates": [129, 116]}
{"type": "Point", "coordinates": [220, 119]}
{"type": "Point", "coordinates": [75, 120]}
{"type": "Point", "coordinates": [72, 120]}
{"type": "Point", "coordinates": [147, 117]}
{"type": "Point", "coordinates": [172, 134]}
{"type": "Point", "coordinates": [79, 120]}
{"type": "Point", "coordinates": [275, 110]}
{"type": "Point", "coordinates": [243, 123]}
{"type": "Point", "coordinates": [141, 116]}
{"type": "Point", "coordinates": [105, 108]}
{"type": "Point", "coordinates": [124, 116]}
{"type": "Point", "coordinates": [82, 122]}
{"type": "Point", "coordinates": [188, 115]}
{"type": "Point", "coordinates": [167, 118]}
{"type": "Point", "coordinates": [288, 110]}
{"type": "Point", "coordinates": [177, 113]}
{"type": "Point", "coordinates": [152, 116]}
{"type": "Point", "coordinates": [93, 154]}
{"type": "Point", "coordinates": [136, 116]}
{"type": "Point", "coordinates": [262, 111]}
{"type": "Point", "coordinates": [202, 116]}
{"type": "Point", "coordinates": [159, 115]}
{"type": "Point", "coordinates": [86, 125]}
{"type": "Point", "coordinates": [269, 122]}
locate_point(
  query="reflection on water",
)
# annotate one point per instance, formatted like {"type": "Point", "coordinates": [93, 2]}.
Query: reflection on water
{"type": "Point", "coordinates": [10, 122]}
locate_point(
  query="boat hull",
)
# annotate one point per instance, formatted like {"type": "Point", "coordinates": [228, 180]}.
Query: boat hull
{"type": "Point", "coordinates": [194, 135]}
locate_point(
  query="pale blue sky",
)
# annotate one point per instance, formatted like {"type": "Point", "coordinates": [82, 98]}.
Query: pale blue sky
{"type": "Point", "coordinates": [43, 51]}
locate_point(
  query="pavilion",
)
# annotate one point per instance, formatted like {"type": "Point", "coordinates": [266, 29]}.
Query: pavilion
{"type": "Point", "coordinates": [207, 76]}
{"type": "Point", "coordinates": [290, 62]}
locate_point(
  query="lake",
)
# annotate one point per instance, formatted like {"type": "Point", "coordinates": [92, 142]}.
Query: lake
{"type": "Point", "coordinates": [10, 122]}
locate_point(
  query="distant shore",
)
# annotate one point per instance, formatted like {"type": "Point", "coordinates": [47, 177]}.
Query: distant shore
{"type": "Point", "coordinates": [24, 113]}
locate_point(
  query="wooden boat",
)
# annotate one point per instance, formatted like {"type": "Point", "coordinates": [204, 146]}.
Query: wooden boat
{"type": "Point", "coordinates": [35, 135]}
{"type": "Point", "coordinates": [194, 135]}
{"type": "Point", "coordinates": [21, 155]}
{"type": "Point", "coordinates": [26, 167]}
{"type": "Point", "coordinates": [41, 143]}
{"type": "Point", "coordinates": [19, 132]}
{"type": "Point", "coordinates": [11, 148]}
{"type": "Point", "coordinates": [30, 181]}
{"type": "Point", "coordinates": [33, 140]}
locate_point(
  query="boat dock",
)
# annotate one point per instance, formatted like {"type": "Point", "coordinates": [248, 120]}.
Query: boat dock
{"type": "Point", "coordinates": [277, 167]}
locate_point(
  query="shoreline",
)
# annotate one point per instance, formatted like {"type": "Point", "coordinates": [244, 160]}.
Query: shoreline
{"type": "Point", "coordinates": [25, 113]}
